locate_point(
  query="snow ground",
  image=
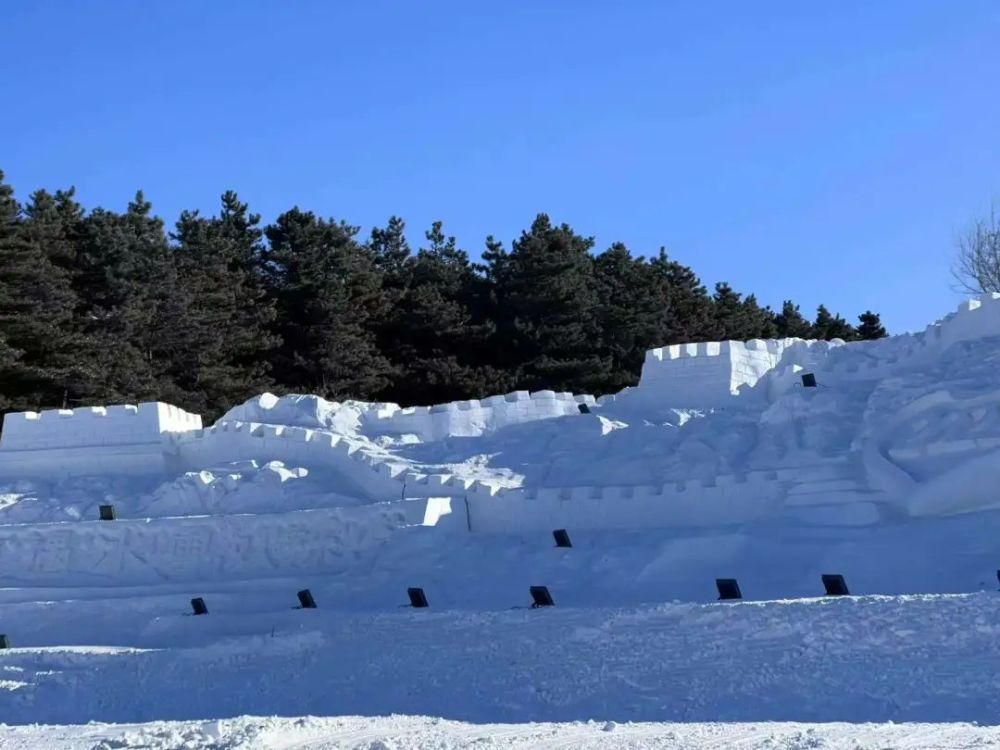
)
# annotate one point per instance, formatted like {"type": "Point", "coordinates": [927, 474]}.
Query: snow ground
{"type": "Point", "coordinates": [417, 733]}
{"type": "Point", "coordinates": [858, 659]}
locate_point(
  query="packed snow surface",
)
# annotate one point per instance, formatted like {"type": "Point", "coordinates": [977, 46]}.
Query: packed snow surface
{"type": "Point", "coordinates": [419, 733]}
{"type": "Point", "coordinates": [719, 464]}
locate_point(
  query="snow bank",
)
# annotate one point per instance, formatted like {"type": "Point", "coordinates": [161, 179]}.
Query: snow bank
{"type": "Point", "coordinates": [419, 732]}
{"type": "Point", "coordinates": [931, 659]}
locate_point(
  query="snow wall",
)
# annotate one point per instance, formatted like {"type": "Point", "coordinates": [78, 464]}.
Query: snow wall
{"type": "Point", "coordinates": [156, 438]}
{"type": "Point", "coordinates": [123, 439]}
{"type": "Point", "coordinates": [477, 417]}
{"type": "Point", "coordinates": [203, 547]}
{"type": "Point", "coordinates": [707, 374]}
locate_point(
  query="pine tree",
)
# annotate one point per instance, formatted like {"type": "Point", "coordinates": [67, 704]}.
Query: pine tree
{"type": "Point", "coordinates": [57, 225]}
{"type": "Point", "coordinates": [230, 315]}
{"type": "Point", "coordinates": [871, 326]}
{"type": "Point", "coordinates": [391, 254]}
{"type": "Point", "coordinates": [759, 322]}
{"type": "Point", "coordinates": [8, 358]}
{"type": "Point", "coordinates": [790, 323]}
{"type": "Point", "coordinates": [10, 212]}
{"type": "Point", "coordinates": [329, 297]}
{"type": "Point", "coordinates": [392, 260]}
{"type": "Point", "coordinates": [39, 350]}
{"type": "Point", "coordinates": [126, 282]}
{"type": "Point", "coordinates": [547, 302]}
{"type": "Point", "coordinates": [441, 349]}
{"type": "Point", "coordinates": [828, 326]}
{"type": "Point", "coordinates": [688, 306]}
{"type": "Point", "coordinates": [100, 307]}
{"type": "Point", "coordinates": [728, 313]}
{"type": "Point", "coordinates": [634, 313]}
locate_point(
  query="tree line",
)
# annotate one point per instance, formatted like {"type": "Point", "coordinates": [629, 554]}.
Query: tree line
{"type": "Point", "coordinates": [103, 306]}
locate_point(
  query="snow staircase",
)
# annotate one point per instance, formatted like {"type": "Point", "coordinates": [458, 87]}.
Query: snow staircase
{"type": "Point", "coordinates": [831, 493]}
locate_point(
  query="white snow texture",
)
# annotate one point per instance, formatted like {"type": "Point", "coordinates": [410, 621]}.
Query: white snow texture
{"type": "Point", "coordinates": [719, 464]}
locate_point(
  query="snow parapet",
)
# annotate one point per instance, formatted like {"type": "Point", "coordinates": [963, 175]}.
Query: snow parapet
{"type": "Point", "coordinates": [477, 417]}
{"type": "Point", "coordinates": [94, 426]}
{"type": "Point", "coordinates": [708, 374]}
{"type": "Point", "coordinates": [125, 439]}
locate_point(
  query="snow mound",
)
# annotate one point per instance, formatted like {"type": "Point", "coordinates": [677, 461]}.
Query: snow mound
{"type": "Point", "coordinates": [299, 410]}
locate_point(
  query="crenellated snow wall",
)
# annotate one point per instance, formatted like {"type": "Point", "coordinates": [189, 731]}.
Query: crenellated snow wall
{"type": "Point", "coordinates": [477, 417]}
{"type": "Point", "coordinates": [126, 439]}
{"type": "Point", "coordinates": [158, 439]}
{"type": "Point", "coordinates": [711, 373]}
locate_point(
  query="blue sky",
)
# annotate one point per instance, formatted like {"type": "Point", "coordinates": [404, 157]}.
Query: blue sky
{"type": "Point", "coordinates": [828, 152]}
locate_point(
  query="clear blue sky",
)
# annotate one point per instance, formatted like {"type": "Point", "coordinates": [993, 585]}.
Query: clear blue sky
{"type": "Point", "coordinates": [829, 152]}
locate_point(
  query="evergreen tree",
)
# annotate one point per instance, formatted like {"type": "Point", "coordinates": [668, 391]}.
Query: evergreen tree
{"type": "Point", "coordinates": [759, 322]}
{"type": "Point", "coordinates": [441, 347]}
{"type": "Point", "coordinates": [57, 224]}
{"type": "Point", "coordinates": [39, 350]}
{"type": "Point", "coordinates": [828, 326]}
{"type": "Point", "coordinates": [740, 319]}
{"type": "Point", "coordinates": [392, 261]}
{"type": "Point", "coordinates": [8, 358]}
{"type": "Point", "coordinates": [391, 253]}
{"type": "Point", "coordinates": [10, 212]}
{"type": "Point", "coordinates": [634, 313]}
{"type": "Point", "coordinates": [728, 313]}
{"type": "Point", "coordinates": [689, 311]}
{"type": "Point", "coordinates": [229, 313]}
{"type": "Point", "coordinates": [871, 326]}
{"type": "Point", "coordinates": [547, 301]}
{"type": "Point", "coordinates": [790, 323]}
{"type": "Point", "coordinates": [329, 295]}
{"type": "Point", "coordinates": [126, 284]}
{"type": "Point", "coordinates": [102, 308]}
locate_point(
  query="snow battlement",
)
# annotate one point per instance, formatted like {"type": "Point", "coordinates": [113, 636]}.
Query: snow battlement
{"type": "Point", "coordinates": [478, 416]}
{"type": "Point", "coordinates": [708, 373]}
{"type": "Point", "coordinates": [94, 426]}
{"type": "Point", "coordinates": [156, 438]}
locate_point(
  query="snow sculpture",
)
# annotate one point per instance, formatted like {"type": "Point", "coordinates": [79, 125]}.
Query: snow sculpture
{"type": "Point", "coordinates": [708, 374]}
{"type": "Point", "coordinates": [63, 442]}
